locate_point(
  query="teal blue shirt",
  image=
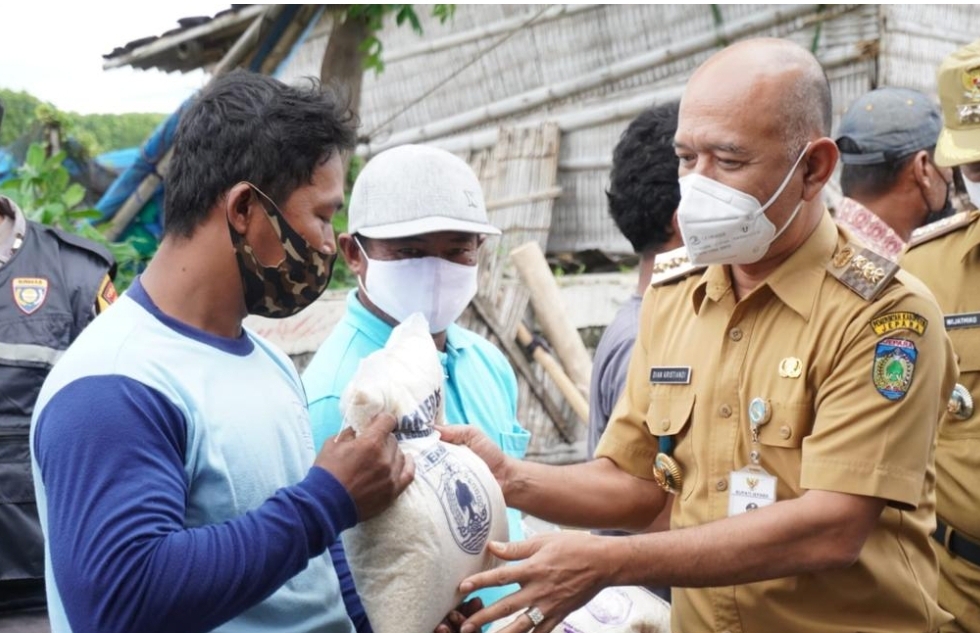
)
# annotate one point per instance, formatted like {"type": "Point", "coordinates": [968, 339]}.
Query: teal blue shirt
{"type": "Point", "coordinates": [481, 389]}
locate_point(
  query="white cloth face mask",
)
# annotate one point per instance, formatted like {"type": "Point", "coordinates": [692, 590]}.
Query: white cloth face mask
{"type": "Point", "coordinates": [972, 190]}
{"type": "Point", "coordinates": [438, 288]}
{"type": "Point", "coordinates": [722, 225]}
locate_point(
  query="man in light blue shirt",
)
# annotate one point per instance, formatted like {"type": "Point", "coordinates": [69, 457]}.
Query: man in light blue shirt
{"type": "Point", "coordinates": [416, 221]}
{"type": "Point", "coordinates": [176, 477]}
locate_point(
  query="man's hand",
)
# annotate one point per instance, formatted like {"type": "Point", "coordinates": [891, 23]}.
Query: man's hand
{"type": "Point", "coordinates": [457, 616]}
{"type": "Point", "coordinates": [480, 444]}
{"type": "Point", "coordinates": [562, 573]}
{"type": "Point", "coordinates": [371, 466]}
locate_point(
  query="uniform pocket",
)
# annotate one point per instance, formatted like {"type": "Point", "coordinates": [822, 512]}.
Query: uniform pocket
{"type": "Point", "coordinates": [789, 424]}
{"type": "Point", "coordinates": [670, 416]}
{"type": "Point", "coordinates": [16, 483]}
{"type": "Point", "coordinates": [966, 344]}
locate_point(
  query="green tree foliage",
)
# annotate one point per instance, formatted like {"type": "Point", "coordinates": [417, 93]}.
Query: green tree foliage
{"type": "Point", "coordinates": [19, 115]}
{"type": "Point", "coordinates": [115, 131]}
{"type": "Point", "coordinates": [43, 190]}
{"type": "Point", "coordinates": [374, 14]}
{"type": "Point", "coordinates": [97, 132]}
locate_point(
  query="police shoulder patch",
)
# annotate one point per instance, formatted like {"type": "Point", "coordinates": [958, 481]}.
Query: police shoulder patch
{"type": "Point", "coordinates": [945, 226]}
{"type": "Point", "coordinates": [893, 367]}
{"type": "Point", "coordinates": [672, 266]}
{"type": "Point", "coordinates": [861, 269]}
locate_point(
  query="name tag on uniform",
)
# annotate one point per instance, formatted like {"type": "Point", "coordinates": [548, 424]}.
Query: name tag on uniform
{"type": "Point", "coordinates": [750, 489]}
{"type": "Point", "coordinates": [957, 321]}
{"type": "Point", "coordinates": [670, 375]}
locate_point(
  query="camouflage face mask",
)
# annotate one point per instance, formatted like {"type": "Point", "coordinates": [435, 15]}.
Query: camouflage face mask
{"type": "Point", "coordinates": [295, 282]}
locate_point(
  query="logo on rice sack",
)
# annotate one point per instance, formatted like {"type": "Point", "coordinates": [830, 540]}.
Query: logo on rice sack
{"type": "Point", "coordinates": [464, 500]}
{"type": "Point", "coordinates": [419, 422]}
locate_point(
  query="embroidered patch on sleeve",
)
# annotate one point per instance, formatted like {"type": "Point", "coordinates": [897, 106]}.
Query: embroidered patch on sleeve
{"type": "Point", "coordinates": [893, 366]}
{"type": "Point", "coordinates": [894, 321]}
{"type": "Point", "coordinates": [107, 295]}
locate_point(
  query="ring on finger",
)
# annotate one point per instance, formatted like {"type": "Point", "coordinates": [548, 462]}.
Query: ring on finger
{"type": "Point", "coordinates": [535, 615]}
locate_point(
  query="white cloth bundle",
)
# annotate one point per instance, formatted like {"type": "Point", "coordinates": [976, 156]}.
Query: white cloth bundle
{"type": "Point", "coordinates": [408, 561]}
{"type": "Point", "coordinates": [613, 610]}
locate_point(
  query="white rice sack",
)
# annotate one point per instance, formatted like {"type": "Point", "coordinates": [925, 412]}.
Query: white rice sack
{"type": "Point", "coordinates": [408, 561]}
{"type": "Point", "coordinates": [613, 610]}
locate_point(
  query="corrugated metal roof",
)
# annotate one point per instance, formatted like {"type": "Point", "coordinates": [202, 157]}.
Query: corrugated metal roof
{"type": "Point", "coordinates": [197, 42]}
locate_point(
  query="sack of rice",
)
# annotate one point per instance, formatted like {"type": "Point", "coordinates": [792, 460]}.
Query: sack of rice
{"type": "Point", "coordinates": [613, 610]}
{"type": "Point", "coordinates": [408, 561]}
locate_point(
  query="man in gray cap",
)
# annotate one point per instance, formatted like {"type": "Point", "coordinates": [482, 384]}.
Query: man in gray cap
{"type": "Point", "coordinates": [416, 221]}
{"type": "Point", "coordinates": [890, 181]}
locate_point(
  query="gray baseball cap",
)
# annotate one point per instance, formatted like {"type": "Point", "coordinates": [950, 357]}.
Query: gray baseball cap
{"type": "Point", "coordinates": [415, 189]}
{"type": "Point", "coordinates": [889, 123]}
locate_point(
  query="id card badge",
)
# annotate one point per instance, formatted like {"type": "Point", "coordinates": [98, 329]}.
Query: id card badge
{"type": "Point", "coordinates": [750, 489]}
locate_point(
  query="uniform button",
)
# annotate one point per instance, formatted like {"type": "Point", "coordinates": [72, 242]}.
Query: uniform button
{"type": "Point", "coordinates": [735, 334]}
{"type": "Point", "coordinates": [721, 485]}
{"type": "Point", "coordinates": [725, 411]}
{"type": "Point", "coordinates": [665, 425]}
{"type": "Point", "coordinates": [785, 432]}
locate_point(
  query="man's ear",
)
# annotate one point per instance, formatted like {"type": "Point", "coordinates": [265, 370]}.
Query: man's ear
{"type": "Point", "coordinates": [918, 168]}
{"type": "Point", "coordinates": [237, 207]}
{"type": "Point", "coordinates": [352, 253]}
{"type": "Point", "coordinates": [818, 166]}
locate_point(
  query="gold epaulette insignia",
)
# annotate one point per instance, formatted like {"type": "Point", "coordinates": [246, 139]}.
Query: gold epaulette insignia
{"type": "Point", "coordinates": [862, 270]}
{"type": "Point", "coordinates": [931, 231]}
{"type": "Point", "coordinates": [672, 265]}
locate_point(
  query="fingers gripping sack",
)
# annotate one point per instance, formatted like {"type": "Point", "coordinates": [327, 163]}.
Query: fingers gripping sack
{"type": "Point", "coordinates": [408, 561]}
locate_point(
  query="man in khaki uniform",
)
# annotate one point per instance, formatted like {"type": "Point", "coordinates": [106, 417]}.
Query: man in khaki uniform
{"type": "Point", "coordinates": [789, 398]}
{"type": "Point", "coordinates": [946, 256]}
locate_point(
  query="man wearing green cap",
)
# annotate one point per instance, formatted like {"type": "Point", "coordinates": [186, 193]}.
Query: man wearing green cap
{"type": "Point", "coordinates": [946, 256]}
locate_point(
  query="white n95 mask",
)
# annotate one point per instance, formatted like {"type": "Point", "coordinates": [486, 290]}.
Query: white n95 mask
{"type": "Point", "coordinates": [438, 288]}
{"type": "Point", "coordinates": [972, 190]}
{"type": "Point", "coordinates": [722, 225]}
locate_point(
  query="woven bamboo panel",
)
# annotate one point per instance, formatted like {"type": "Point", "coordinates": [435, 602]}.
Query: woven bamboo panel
{"type": "Point", "coordinates": [519, 178]}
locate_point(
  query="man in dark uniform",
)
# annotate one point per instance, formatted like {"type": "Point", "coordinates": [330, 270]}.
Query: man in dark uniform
{"type": "Point", "coordinates": [52, 284]}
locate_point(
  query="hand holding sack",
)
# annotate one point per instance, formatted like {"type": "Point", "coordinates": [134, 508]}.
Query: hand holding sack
{"type": "Point", "coordinates": [612, 610]}
{"type": "Point", "coordinates": [408, 562]}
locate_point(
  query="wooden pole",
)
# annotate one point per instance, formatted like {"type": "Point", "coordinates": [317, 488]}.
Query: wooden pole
{"type": "Point", "coordinates": [541, 356]}
{"type": "Point", "coordinates": [558, 329]}
{"type": "Point", "coordinates": [523, 367]}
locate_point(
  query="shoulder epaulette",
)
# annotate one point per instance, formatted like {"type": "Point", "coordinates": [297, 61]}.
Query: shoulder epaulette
{"type": "Point", "coordinates": [861, 269]}
{"type": "Point", "coordinates": [931, 231]}
{"type": "Point", "coordinates": [672, 266]}
{"type": "Point", "coordinates": [81, 243]}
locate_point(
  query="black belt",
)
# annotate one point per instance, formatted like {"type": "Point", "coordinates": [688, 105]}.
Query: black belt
{"type": "Point", "coordinates": [958, 545]}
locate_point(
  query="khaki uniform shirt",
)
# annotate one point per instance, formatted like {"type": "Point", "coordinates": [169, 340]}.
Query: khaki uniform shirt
{"type": "Point", "coordinates": [831, 428]}
{"type": "Point", "coordinates": [949, 263]}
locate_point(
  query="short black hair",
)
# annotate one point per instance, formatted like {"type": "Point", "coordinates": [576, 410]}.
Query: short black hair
{"type": "Point", "coordinates": [643, 191]}
{"type": "Point", "coordinates": [871, 181]}
{"type": "Point", "coordinates": [247, 126]}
